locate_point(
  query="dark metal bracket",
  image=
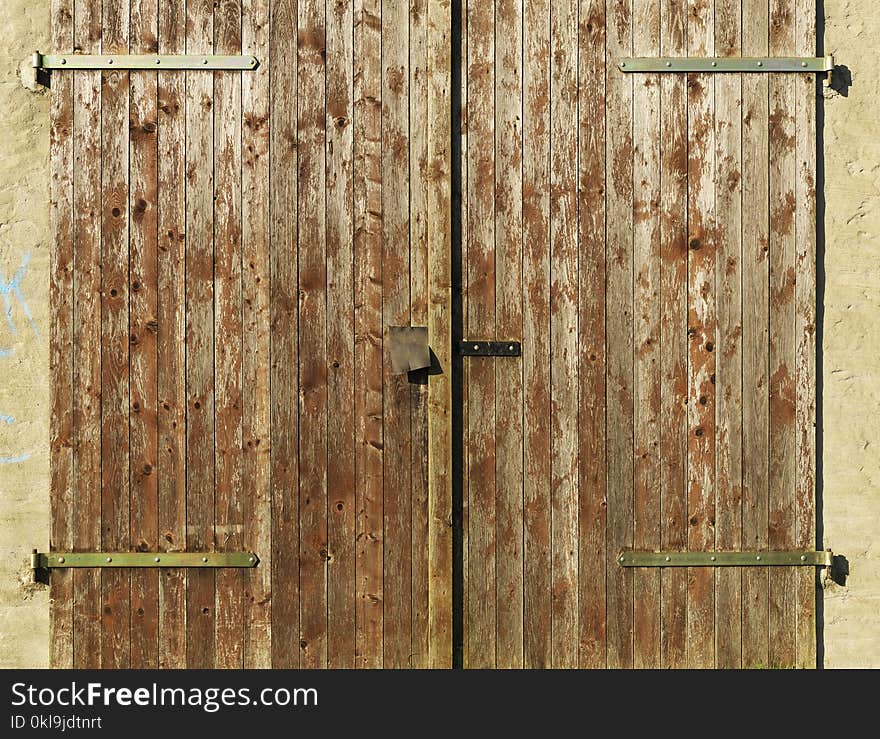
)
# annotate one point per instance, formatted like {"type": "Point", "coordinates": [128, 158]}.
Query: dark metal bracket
{"type": "Point", "coordinates": [490, 348]}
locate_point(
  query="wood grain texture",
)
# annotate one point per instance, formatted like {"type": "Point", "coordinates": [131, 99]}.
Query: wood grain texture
{"type": "Point", "coordinates": [255, 359]}
{"type": "Point", "coordinates": [591, 331]}
{"type": "Point", "coordinates": [171, 347]}
{"type": "Point", "coordinates": [284, 329]}
{"type": "Point", "coordinates": [143, 327]}
{"type": "Point", "coordinates": [87, 277]}
{"type": "Point", "coordinates": [536, 329]}
{"type": "Point", "coordinates": [368, 333]}
{"type": "Point", "coordinates": [61, 365]}
{"type": "Point", "coordinates": [783, 437]}
{"type": "Point", "coordinates": [439, 216]}
{"type": "Point", "coordinates": [395, 311]}
{"type": "Point", "coordinates": [200, 386]}
{"type": "Point", "coordinates": [479, 255]}
{"type": "Point", "coordinates": [564, 332]}
{"type": "Point", "coordinates": [228, 378]}
{"type": "Point", "coordinates": [508, 326]}
{"type": "Point", "coordinates": [805, 92]}
{"type": "Point", "coordinates": [341, 598]}
{"type": "Point", "coordinates": [619, 337]}
{"type": "Point", "coordinates": [673, 336]}
{"type": "Point", "coordinates": [418, 280]}
{"type": "Point", "coordinates": [702, 336]}
{"type": "Point", "coordinates": [728, 357]}
{"type": "Point", "coordinates": [646, 338]}
{"type": "Point", "coordinates": [756, 335]}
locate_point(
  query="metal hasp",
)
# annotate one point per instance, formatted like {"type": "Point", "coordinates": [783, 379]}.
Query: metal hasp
{"type": "Point", "coordinates": [144, 61]}
{"type": "Point", "coordinates": [728, 64]}
{"type": "Point", "coordinates": [725, 559]}
{"type": "Point", "coordinates": [490, 348]}
{"type": "Point", "coordinates": [54, 560]}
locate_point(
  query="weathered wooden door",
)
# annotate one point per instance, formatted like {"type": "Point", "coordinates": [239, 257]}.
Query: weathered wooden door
{"type": "Point", "coordinates": [650, 238]}
{"type": "Point", "coordinates": [229, 250]}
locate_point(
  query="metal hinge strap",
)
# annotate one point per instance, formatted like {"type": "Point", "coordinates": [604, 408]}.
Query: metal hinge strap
{"type": "Point", "coordinates": [726, 559]}
{"type": "Point", "coordinates": [727, 64]}
{"type": "Point", "coordinates": [144, 61]}
{"type": "Point", "coordinates": [490, 348]}
{"type": "Point", "coordinates": [54, 560]}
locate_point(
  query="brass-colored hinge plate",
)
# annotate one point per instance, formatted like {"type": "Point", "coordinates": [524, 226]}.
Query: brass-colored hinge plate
{"type": "Point", "coordinates": [727, 64]}
{"type": "Point", "coordinates": [53, 560]}
{"type": "Point", "coordinates": [725, 559]}
{"type": "Point", "coordinates": [144, 61]}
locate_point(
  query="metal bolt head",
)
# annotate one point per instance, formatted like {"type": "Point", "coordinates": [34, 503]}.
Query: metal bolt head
{"type": "Point", "coordinates": [109, 61]}
{"type": "Point", "coordinates": [109, 559]}
{"type": "Point", "coordinates": [714, 64]}
{"type": "Point", "coordinates": [204, 61]}
{"type": "Point", "coordinates": [622, 558]}
{"type": "Point", "coordinates": [250, 559]}
{"type": "Point", "coordinates": [760, 64]}
{"type": "Point", "coordinates": [158, 61]}
{"type": "Point", "coordinates": [803, 558]}
{"type": "Point", "coordinates": [803, 64]}
{"type": "Point", "coordinates": [668, 64]}
{"type": "Point", "coordinates": [713, 558]}
{"type": "Point", "coordinates": [476, 347]}
{"type": "Point", "coordinates": [204, 559]}
{"type": "Point", "coordinates": [758, 558]}
{"type": "Point", "coordinates": [668, 558]}
{"type": "Point", "coordinates": [155, 559]}
{"type": "Point", "coordinates": [622, 65]}
{"type": "Point", "coordinates": [64, 61]}
{"type": "Point", "coordinates": [61, 560]}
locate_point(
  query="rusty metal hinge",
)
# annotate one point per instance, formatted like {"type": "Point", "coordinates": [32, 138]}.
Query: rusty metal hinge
{"type": "Point", "coordinates": [56, 560]}
{"type": "Point", "coordinates": [806, 558]}
{"type": "Point", "coordinates": [145, 61]}
{"type": "Point", "coordinates": [823, 64]}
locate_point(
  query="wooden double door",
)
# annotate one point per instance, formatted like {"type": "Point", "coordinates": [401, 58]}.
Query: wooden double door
{"type": "Point", "coordinates": [232, 247]}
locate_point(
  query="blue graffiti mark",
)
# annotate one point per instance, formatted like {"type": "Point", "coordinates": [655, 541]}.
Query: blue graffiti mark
{"type": "Point", "coordinates": [6, 352]}
{"type": "Point", "coordinates": [11, 289]}
{"type": "Point", "coordinates": [7, 419]}
{"type": "Point", "coordinates": [15, 460]}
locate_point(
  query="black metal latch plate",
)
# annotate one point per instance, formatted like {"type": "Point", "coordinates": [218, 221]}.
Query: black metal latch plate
{"type": "Point", "coordinates": [490, 348]}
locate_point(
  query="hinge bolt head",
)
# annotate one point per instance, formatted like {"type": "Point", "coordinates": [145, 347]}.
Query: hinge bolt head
{"type": "Point", "coordinates": [760, 64]}
{"type": "Point", "coordinates": [109, 61]}
{"type": "Point", "coordinates": [109, 559]}
{"type": "Point", "coordinates": [803, 558]}
{"type": "Point", "coordinates": [714, 64]}
{"type": "Point", "coordinates": [622, 64]}
{"type": "Point", "coordinates": [64, 61]}
{"type": "Point", "coordinates": [158, 61]}
{"type": "Point", "coordinates": [155, 559]}
{"type": "Point", "coordinates": [204, 559]}
{"type": "Point", "coordinates": [713, 558]}
{"type": "Point", "coordinates": [61, 560]}
{"type": "Point", "coordinates": [204, 61]}
{"type": "Point", "coordinates": [250, 559]}
{"type": "Point", "coordinates": [668, 64]}
{"type": "Point", "coordinates": [803, 64]}
{"type": "Point", "coordinates": [758, 558]}
{"type": "Point", "coordinates": [668, 558]}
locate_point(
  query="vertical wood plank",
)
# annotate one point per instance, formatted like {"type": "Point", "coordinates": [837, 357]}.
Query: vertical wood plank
{"type": "Point", "coordinates": [255, 360]}
{"type": "Point", "coordinates": [229, 598]}
{"type": "Point", "coordinates": [508, 302]}
{"type": "Point", "coordinates": [114, 345]}
{"type": "Point", "coordinates": [200, 614]}
{"type": "Point", "coordinates": [396, 311]}
{"type": "Point", "coordinates": [673, 335]}
{"type": "Point", "coordinates": [171, 346]}
{"type": "Point", "coordinates": [312, 333]}
{"type": "Point", "coordinates": [536, 331]}
{"type": "Point", "coordinates": [284, 379]}
{"type": "Point", "coordinates": [340, 339]}
{"type": "Point", "coordinates": [61, 297]}
{"type": "Point", "coordinates": [418, 279]}
{"type": "Point", "coordinates": [368, 332]}
{"type": "Point", "coordinates": [143, 327]}
{"type": "Point", "coordinates": [439, 214]}
{"type": "Point", "coordinates": [591, 328]}
{"type": "Point", "coordinates": [563, 331]}
{"type": "Point", "coordinates": [646, 316]}
{"type": "Point", "coordinates": [728, 358]}
{"type": "Point", "coordinates": [805, 334]}
{"type": "Point", "coordinates": [756, 328]}
{"type": "Point", "coordinates": [619, 322]}
{"type": "Point", "coordinates": [480, 324]}
{"type": "Point", "coordinates": [701, 336]}
{"type": "Point", "coordinates": [783, 392]}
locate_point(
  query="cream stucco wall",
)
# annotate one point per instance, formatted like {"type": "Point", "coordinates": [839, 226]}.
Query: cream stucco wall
{"type": "Point", "coordinates": [851, 348]}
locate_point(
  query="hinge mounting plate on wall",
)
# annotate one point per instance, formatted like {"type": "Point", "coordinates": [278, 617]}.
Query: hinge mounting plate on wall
{"type": "Point", "coordinates": [728, 64]}
{"type": "Point", "coordinates": [55, 560]}
{"type": "Point", "coordinates": [806, 558]}
{"type": "Point", "coordinates": [489, 348]}
{"type": "Point", "coordinates": [144, 61]}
